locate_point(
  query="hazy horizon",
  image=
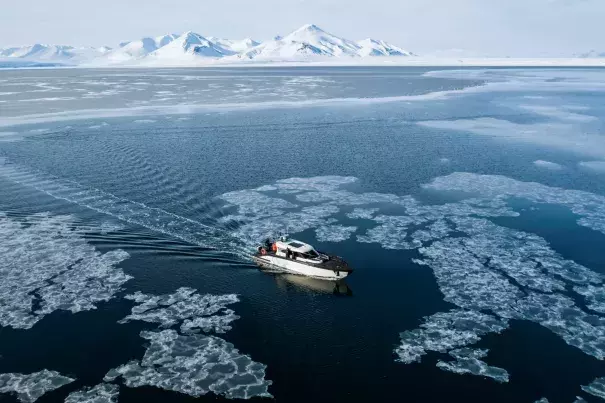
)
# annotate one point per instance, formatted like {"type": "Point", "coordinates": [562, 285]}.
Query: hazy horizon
{"type": "Point", "coordinates": [475, 27]}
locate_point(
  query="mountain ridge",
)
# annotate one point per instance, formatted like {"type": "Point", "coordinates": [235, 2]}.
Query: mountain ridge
{"type": "Point", "coordinates": [307, 42]}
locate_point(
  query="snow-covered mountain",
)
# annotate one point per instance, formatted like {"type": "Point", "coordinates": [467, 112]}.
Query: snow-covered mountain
{"type": "Point", "coordinates": [58, 53]}
{"type": "Point", "coordinates": [593, 53]}
{"type": "Point", "coordinates": [373, 47]}
{"type": "Point", "coordinates": [189, 46]}
{"type": "Point", "coordinates": [309, 42]}
{"type": "Point", "coordinates": [236, 46]}
{"type": "Point", "coordinates": [128, 51]}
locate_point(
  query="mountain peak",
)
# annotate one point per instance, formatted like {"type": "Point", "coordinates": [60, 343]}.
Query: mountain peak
{"type": "Point", "coordinates": [309, 28]}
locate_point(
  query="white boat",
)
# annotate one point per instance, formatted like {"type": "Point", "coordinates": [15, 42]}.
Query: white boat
{"type": "Point", "coordinates": [296, 257]}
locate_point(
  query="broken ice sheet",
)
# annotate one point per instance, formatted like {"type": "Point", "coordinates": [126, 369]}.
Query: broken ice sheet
{"type": "Point", "coordinates": [445, 331]}
{"type": "Point", "coordinates": [64, 271]}
{"type": "Point", "coordinates": [194, 311]}
{"type": "Point", "coordinates": [334, 233]}
{"type": "Point", "coordinates": [468, 361]}
{"type": "Point", "coordinates": [362, 213]}
{"type": "Point", "coordinates": [29, 387]}
{"type": "Point", "coordinates": [101, 393]}
{"type": "Point", "coordinates": [596, 388]}
{"type": "Point", "coordinates": [195, 365]}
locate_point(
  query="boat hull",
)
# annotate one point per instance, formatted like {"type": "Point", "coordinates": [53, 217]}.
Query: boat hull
{"type": "Point", "coordinates": [278, 264]}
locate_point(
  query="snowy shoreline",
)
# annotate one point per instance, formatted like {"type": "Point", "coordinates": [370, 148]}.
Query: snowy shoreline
{"type": "Point", "coordinates": [376, 62]}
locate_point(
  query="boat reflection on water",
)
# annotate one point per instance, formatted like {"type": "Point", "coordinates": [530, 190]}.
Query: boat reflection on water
{"type": "Point", "coordinates": [312, 284]}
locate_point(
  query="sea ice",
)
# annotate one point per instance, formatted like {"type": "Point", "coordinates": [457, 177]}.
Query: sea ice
{"type": "Point", "coordinates": [102, 393]}
{"type": "Point", "coordinates": [194, 365]}
{"type": "Point", "coordinates": [468, 361]}
{"type": "Point", "coordinates": [362, 213]}
{"type": "Point", "coordinates": [30, 387]}
{"type": "Point", "coordinates": [445, 331]}
{"type": "Point", "coordinates": [64, 271]}
{"type": "Point", "coordinates": [596, 388]}
{"type": "Point", "coordinates": [334, 233]}
{"type": "Point", "coordinates": [553, 166]}
{"type": "Point", "coordinates": [589, 206]}
{"type": "Point", "coordinates": [595, 296]}
{"type": "Point", "coordinates": [206, 312]}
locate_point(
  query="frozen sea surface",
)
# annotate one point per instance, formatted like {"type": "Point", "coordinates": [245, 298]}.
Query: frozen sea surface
{"type": "Point", "coordinates": [471, 204]}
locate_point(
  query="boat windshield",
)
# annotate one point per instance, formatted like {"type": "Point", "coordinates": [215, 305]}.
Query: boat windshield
{"type": "Point", "coordinates": [311, 254]}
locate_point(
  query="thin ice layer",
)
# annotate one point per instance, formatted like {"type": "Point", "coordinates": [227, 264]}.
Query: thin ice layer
{"type": "Point", "coordinates": [596, 388]}
{"type": "Point", "coordinates": [468, 361]}
{"type": "Point", "coordinates": [194, 311]}
{"type": "Point", "coordinates": [28, 388]}
{"type": "Point", "coordinates": [64, 272]}
{"type": "Point", "coordinates": [194, 365]}
{"type": "Point", "coordinates": [589, 206]}
{"type": "Point", "coordinates": [514, 275]}
{"type": "Point", "coordinates": [334, 233]}
{"type": "Point", "coordinates": [595, 296]}
{"type": "Point", "coordinates": [101, 393]}
{"type": "Point", "coordinates": [445, 331]}
{"type": "Point", "coordinates": [362, 213]}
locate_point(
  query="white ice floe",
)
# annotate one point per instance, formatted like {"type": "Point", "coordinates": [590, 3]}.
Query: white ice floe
{"type": "Point", "coordinates": [185, 306]}
{"type": "Point", "coordinates": [28, 388]}
{"type": "Point", "coordinates": [317, 184]}
{"type": "Point", "coordinates": [254, 204]}
{"type": "Point", "coordinates": [589, 206]}
{"type": "Point", "coordinates": [362, 213]}
{"type": "Point", "coordinates": [144, 121]}
{"type": "Point", "coordinates": [64, 272]}
{"type": "Point", "coordinates": [445, 331]}
{"type": "Point", "coordinates": [101, 393]}
{"type": "Point", "coordinates": [514, 275]}
{"type": "Point", "coordinates": [334, 233]}
{"type": "Point", "coordinates": [553, 166]}
{"type": "Point", "coordinates": [194, 365]}
{"type": "Point", "coordinates": [468, 361]}
{"type": "Point", "coordinates": [596, 388]}
{"type": "Point", "coordinates": [563, 135]}
{"type": "Point", "coordinates": [595, 296]}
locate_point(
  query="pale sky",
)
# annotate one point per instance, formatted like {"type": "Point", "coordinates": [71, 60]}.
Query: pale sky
{"type": "Point", "coordinates": [479, 27]}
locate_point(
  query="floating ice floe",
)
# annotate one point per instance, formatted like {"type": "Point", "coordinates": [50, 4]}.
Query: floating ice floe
{"type": "Point", "coordinates": [334, 233]}
{"type": "Point", "coordinates": [317, 184]}
{"type": "Point", "coordinates": [595, 296]}
{"type": "Point", "coordinates": [468, 361]}
{"type": "Point", "coordinates": [362, 213]}
{"type": "Point", "coordinates": [445, 331]}
{"type": "Point", "coordinates": [64, 272]}
{"type": "Point", "coordinates": [590, 206]}
{"type": "Point", "coordinates": [596, 388]}
{"type": "Point", "coordinates": [514, 275]}
{"type": "Point", "coordinates": [194, 365]}
{"type": "Point", "coordinates": [30, 387]}
{"type": "Point", "coordinates": [102, 393]}
{"type": "Point", "coordinates": [190, 362]}
{"type": "Point", "coordinates": [553, 166]}
{"type": "Point", "coordinates": [194, 311]}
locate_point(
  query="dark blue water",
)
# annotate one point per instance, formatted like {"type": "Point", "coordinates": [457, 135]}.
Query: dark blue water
{"type": "Point", "coordinates": [319, 342]}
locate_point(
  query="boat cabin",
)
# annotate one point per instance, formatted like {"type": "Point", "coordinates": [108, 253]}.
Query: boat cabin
{"type": "Point", "coordinates": [297, 250]}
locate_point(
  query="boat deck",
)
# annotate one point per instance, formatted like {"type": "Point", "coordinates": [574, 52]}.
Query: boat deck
{"type": "Point", "coordinates": [335, 263]}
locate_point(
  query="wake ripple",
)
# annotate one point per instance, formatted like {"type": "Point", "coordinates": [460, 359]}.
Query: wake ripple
{"type": "Point", "coordinates": [208, 236]}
